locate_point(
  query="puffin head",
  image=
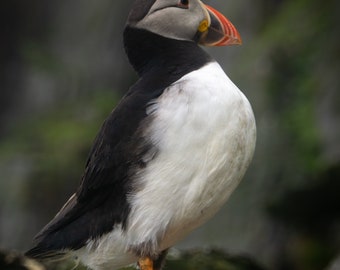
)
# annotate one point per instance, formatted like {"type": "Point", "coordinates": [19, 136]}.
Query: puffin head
{"type": "Point", "coordinates": [189, 20]}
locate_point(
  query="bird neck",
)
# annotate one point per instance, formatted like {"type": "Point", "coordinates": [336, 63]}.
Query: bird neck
{"type": "Point", "coordinates": [149, 52]}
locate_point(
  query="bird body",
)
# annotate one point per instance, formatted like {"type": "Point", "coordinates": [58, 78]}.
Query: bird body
{"type": "Point", "coordinates": [168, 156]}
{"type": "Point", "coordinates": [179, 190]}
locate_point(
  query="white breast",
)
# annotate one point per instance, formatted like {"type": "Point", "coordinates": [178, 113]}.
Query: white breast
{"type": "Point", "coordinates": [204, 129]}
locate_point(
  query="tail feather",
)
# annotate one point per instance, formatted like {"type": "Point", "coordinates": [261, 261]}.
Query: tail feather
{"type": "Point", "coordinates": [42, 254]}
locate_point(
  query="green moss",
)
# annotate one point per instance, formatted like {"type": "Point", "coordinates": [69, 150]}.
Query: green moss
{"type": "Point", "coordinates": [293, 40]}
{"type": "Point", "coordinates": [54, 149]}
{"type": "Point", "coordinates": [210, 260]}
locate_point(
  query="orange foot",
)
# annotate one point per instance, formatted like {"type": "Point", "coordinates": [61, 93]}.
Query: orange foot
{"type": "Point", "coordinates": [145, 264]}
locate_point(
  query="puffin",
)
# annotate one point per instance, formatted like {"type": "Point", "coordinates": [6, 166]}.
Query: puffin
{"type": "Point", "coordinates": [170, 153]}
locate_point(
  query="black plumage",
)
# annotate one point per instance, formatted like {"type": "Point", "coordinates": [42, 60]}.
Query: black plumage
{"type": "Point", "coordinates": [121, 148]}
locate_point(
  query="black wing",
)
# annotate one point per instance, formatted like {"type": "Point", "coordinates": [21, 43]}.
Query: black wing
{"type": "Point", "coordinates": [101, 200]}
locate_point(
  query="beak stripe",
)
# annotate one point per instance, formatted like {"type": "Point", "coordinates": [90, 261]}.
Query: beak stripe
{"type": "Point", "coordinates": [230, 35]}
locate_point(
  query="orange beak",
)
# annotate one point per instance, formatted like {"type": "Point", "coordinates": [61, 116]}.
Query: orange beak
{"type": "Point", "coordinates": [220, 31]}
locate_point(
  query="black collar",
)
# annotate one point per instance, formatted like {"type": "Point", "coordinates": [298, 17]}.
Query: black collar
{"type": "Point", "coordinates": [152, 53]}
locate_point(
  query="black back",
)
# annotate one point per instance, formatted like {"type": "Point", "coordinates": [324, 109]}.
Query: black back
{"type": "Point", "coordinates": [117, 154]}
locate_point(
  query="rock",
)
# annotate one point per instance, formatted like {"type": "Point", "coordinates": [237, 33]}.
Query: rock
{"type": "Point", "coordinates": [213, 259]}
{"type": "Point", "coordinates": [11, 260]}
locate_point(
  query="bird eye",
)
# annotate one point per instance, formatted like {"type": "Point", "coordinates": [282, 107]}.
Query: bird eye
{"type": "Point", "coordinates": [183, 4]}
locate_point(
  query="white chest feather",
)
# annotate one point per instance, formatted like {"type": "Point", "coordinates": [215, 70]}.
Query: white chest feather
{"type": "Point", "coordinates": [204, 130]}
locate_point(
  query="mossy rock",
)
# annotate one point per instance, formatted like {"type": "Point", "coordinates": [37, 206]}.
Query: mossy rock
{"type": "Point", "coordinates": [11, 260]}
{"type": "Point", "coordinates": [213, 259]}
{"type": "Point", "coordinates": [189, 260]}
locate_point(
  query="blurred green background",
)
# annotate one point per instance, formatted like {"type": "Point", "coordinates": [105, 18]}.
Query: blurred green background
{"type": "Point", "coordinates": [63, 69]}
